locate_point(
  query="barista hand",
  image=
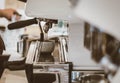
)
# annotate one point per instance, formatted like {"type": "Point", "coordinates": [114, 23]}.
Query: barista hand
{"type": "Point", "coordinates": [8, 13]}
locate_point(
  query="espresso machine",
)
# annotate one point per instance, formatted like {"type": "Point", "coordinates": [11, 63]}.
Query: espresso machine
{"type": "Point", "coordinates": [40, 64]}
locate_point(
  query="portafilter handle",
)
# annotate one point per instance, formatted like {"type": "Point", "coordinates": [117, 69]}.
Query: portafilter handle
{"type": "Point", "coordinates": [22, 24]}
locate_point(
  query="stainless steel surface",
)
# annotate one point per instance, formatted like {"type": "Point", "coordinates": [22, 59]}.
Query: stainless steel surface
{"type": "Point", "coordinates": [89, 76]}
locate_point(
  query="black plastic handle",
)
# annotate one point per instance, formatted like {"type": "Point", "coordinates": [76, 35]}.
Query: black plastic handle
{"type": "Point", "coordinates": [22, 24]}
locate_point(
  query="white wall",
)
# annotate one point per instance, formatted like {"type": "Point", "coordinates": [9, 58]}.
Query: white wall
{"type": "Point", "coordinates": [2, 4]}
{"type": "Point", "coordinates": [79, 55]}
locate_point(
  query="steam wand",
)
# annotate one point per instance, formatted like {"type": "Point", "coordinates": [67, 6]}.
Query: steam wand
{"type": "Point", "coordinates": [41, 30]}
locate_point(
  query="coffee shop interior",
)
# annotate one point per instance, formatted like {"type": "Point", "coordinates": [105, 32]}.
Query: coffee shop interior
{"type": "Point", "coordinates": [60, 41]}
